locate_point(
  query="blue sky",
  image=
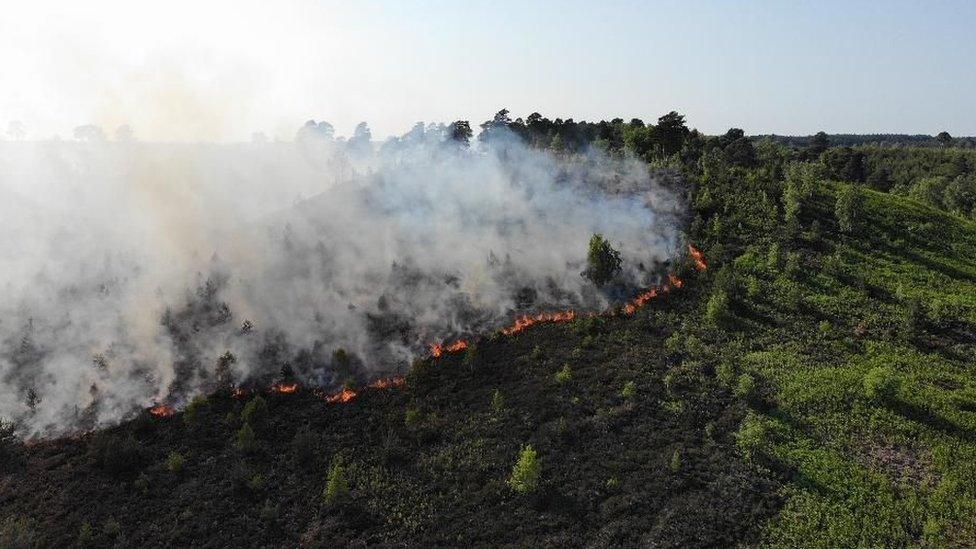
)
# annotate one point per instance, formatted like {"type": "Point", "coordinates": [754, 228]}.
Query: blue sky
{"type": "Point", "coordinates": [221, 69]}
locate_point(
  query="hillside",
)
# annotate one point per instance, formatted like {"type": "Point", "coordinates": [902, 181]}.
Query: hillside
{"type": "Point", "coordinates": [812, 387]}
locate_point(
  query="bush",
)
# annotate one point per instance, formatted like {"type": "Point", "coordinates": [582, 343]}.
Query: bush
{"type": "Point", "coordinates": [112, 528]}
{"type": "Point", "coordinates": [848, 208]}
{"type": "Point", "coordinates": [254, 410]}
{"type": "Point", "coordinates": [564, 375]}
{"type": "Point", "coordinates": [16, 533]}
{"type": "Point", "coordinates": [175, 462]}
{"type": "Point", "coordinates": [526, 472]}
{"type": "Point", "coordinates": [470, 356]}
{"type": "Point", "coordinates": [413, 417]}
{"type": "Point", "coordinates": [142, 483]}
{"type": "Point", "coordinates": [675, 464]}
{"type": "Point", "coordinates": [717, 311]}
{"type": "Point", "coordinates": [629, 390]}
{"type": "Point", "coordinates": [497, 401]}
{"type": "Point", "coordinates": [255, 482]}
{"type": "Point", "coordinates": [752, 436]}
{"type": "Point", "coordinates": [603, 262]}
{"type": "Point", "coordinates": [881, 384]}
{"type": "Point", "coordinates": [538, 354]}
{"type": "Point", "coordinates": [8, 444]}
{"type": "Point", "coordinates": [725, 374]}
{"type": "Point", "coordinates": [192, 411]}
{"type": "Point", "coordinates": [244, 439]}
{"type": "Point", "coordinates": [337, 487]}
{"type": "Point", "coordinates": [745, 387]}
{"type": "Point", "coordinates": [86, 534]}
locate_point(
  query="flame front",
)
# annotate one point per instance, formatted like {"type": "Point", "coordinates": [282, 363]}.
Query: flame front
{"type": "Point", "coordinates": [698, 257]}
{"type": "Point", "coordinates": [162, 411]}
{"type": "Point", "coordinates": [525, 321]}
{"type": "Point", "coordinates": [342, 397]}
{"type": "Point", "coordinates": [437, 349]}
{"type": "Point", "coordinates": [284, 388]}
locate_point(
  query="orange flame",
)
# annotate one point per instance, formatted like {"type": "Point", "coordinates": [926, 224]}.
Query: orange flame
{"type": "Point", "coordinates": [342, 397]}
{"type": "Point", "coordinates": [284, 388]}
{"type": "Point", "coordinates": [698, 257]}
{"type": "Point", "coordinates": [161, 411]}
{"type": "Point", "coordinates": [437, 349]}
{"type": "Point", "coordinates": [387, 382]}
{"type": "Point", "coordinates": [525, 321]}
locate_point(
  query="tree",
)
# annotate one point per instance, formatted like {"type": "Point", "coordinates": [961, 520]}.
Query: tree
{"type": "Point", "coordinates": [847, 208]}
{"type": "Point", "coordinates": [16, 130]}
{"type": "Point", "coordinates": [337, 486]}
{"type": "Point", "coordinates": [818, 144]}
{"type": "Point", "coordinates": [526, 472]}
{"type": "Point", "coordinates": [460, 132]}
{"type": "Point", "coordinates": [603, 262]}
{"type": "Point", "coordinates": [124, 134]}
{"type": "Point", "coordinates": [671, 132]}
{"type": "Point", "coordinates": [89, 132]}
{"type": "Point", "coordinates": [944, 139]}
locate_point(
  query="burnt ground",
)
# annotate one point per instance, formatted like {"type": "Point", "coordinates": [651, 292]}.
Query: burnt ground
{"type": "Point", "coordinates": [426, 462]}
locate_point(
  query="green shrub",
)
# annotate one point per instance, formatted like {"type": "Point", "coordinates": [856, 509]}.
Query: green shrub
{"type": "Point", "coordinates": [497, 401]}
{"type": "Point", "coordinates": [86, 534]}
{"type": "Point", "coordinates": [725, 374]}
{"type": "Point", "coordinates": [675, 464]}
{"type": "Point", "coordinates": [564, 375]}
{"type": "Point", "coordinates": [256, 482]}
{"type": "Point", "coordinates": [629, 390]}
{"type": "Point", "coordinates": [603, 262]}
{"type": "Point", "coordinates": [745, 387]}
{"type": "Point", "coordinates": [142, 483]}
{"type": "Point", "coordinates": [588, 342]}
{"type": "Point", "coordinates": [538, 354]}
{"type": "Point", "coordinates": [16, 532]}
{"type": "Point", "coordinates": [9, 445]}
{"type": "Point", "coordinates": [752, 435]}
{"type": "Point", "coordinates": [337, 486]}
{"type": "Point", "coordinates": [526, 472]}
{"type": "Point", "coordinates": [413, 417]}
{"type": "Point", "coordinates": [192, 412]}
{"type": "Point", "coordinates": [254, 410]}
{"type": "Point", "coordinates": [717, 311]}
{"type": "Point", "coordinates": [881, 384]}
{"type": "Point", "coordinates": [111, 528]}
{"type": "Point", "coordinates": [470, 356]}
{"type": "Point", "coordinates": [613, 483]}
{"type": "Point", "coordinates": [175, 462]}
{"type": "Point", "coordinates": [848, 208]}
{"type": "Point", "coordinates": [244, 439]}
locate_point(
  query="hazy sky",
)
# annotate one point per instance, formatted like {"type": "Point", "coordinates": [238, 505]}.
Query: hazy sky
{"type": "Point", "coordinates": [223, 69]}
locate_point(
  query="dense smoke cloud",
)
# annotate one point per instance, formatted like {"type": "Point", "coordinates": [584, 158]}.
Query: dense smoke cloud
{"type": "Point", "coordinates": [131, 268]}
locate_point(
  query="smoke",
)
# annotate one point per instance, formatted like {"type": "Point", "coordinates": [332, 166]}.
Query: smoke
{"type": "Point", "coordinates": [137, 273]}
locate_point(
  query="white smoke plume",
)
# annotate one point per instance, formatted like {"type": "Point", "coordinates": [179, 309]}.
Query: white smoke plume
{"type": "Point", "coordinates": [130, 268]}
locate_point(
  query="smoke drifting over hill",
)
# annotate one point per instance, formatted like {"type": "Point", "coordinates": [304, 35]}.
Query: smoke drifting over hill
{"type": "Point", "coordinates": [130, 269]}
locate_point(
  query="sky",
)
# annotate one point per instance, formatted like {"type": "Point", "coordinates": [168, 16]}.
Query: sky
{"type": "Point", "coordinates": [222, 69]}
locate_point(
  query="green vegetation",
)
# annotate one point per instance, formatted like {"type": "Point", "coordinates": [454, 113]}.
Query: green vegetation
{"type": "Point", "coordinates": [337, 486]}
{"type": "Point", "coordinates": [603, 262]}
{"type": "Point", "coordinates": [812, 387]}
{"type": "Point", "coordinates": [526, 472]}
{"type": "Point", "coordinates": [175, 462]}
